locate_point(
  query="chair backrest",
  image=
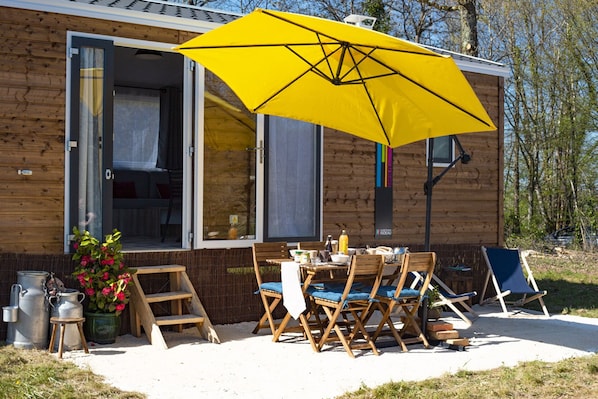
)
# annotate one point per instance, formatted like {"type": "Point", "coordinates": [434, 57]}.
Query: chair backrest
{"type": "Point", "coordinates": [264, 251]}
{"type": "Point", "coordinates": [365, 269]}
{"type": "Point", "coordinates": [311, 245]}
{"type": "Point", "coordinates": [506, 266]}
{"type": "Point", "coordinates": [175, 180]}
{"type": "Point", "coordinates": [423, 264]}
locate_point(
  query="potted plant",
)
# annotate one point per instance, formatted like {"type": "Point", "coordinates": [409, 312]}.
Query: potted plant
{"type": "Point", "coordinates": [105, 280]}
{"type": "Point", "coordinates": [434, 311]}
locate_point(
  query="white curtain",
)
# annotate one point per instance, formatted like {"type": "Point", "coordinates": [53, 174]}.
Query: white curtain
{"type": "Point", "coordinates": [91, 128]}
{"type": "Point", "coordinates": [136, 125]}
{"type": "Point", "coordinates": [292, 178]}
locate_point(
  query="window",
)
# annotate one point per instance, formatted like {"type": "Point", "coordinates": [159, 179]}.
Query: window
{"type": "Point", "coordinates": [444, 151]}
{"type": "Point", "coordinates": [292, 189]}
{"type": "Point", "coordinates": [136, 125]}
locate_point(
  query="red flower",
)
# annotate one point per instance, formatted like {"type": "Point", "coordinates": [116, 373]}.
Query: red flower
{"type": "Point", "coordinates": [97, 273]}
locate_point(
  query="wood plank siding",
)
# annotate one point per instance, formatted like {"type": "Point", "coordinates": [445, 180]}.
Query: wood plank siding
{"type": "Point", "coordinates": [467, 206]}
{"type": "Point", "coordinates": [32, 120]}
{"type": "Point", "coordinates": [32, 98]}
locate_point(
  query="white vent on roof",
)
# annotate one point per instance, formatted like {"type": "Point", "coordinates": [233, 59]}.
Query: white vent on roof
{"type": "Point", "coordinates": [360, 20]}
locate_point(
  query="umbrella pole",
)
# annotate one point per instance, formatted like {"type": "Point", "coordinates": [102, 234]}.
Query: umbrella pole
{"type": "Point", "coordinates": [428, 191]}
{"type": "Point", "coordinates": [431, 181]}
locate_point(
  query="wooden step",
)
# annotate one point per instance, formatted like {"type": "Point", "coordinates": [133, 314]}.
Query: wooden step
{"type": "Point", "coordinates": [168, 296]}
{"type": "Point", "coordinates": [182, 293]}
{"type": "Point", "coordinates": [160, 269]}
{"type": "Point", "coordinates": [179, 319]}
{"type": "Point", "coordinates": [443, 335]}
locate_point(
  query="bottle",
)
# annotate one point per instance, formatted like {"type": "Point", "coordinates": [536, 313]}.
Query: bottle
{"type": "Point", "coordinates": [232, 232]}
{"type": "Point", "coordinates": [343, 243]}
{"type": "Point", "coordinates": [328, 246]}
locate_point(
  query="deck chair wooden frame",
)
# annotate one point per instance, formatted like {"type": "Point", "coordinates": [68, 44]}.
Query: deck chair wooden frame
{"type": "Point", "coordinates": [346, 307]}
{"type": "Point", "coordinates": [402, 297]}
{"type": "Point", "coordinates": [448, 297]}
{"type": "Point", "coordinates": [506, 271]}
{"type": "Point", "coordinates": [270, 291]}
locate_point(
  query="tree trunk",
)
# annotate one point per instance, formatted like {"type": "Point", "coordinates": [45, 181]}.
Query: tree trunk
{"type": "Point", "coordinates": [469, 27]}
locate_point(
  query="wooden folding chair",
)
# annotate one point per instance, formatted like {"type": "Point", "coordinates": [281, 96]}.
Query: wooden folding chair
{"type": "Point", "coordinates": [347, 306]}
{"type": "Point", "coordinates": [270, 291]}
{"type": "Point", "coordinates": [401, 297]}
{"type": "Point", "coordinates": [506, 270]}
{"type": "Point", "coordinates": [448, 297]}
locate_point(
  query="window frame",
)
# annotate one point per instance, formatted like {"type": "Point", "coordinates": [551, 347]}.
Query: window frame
{"type": "Point", "coordinates": [443, 163]}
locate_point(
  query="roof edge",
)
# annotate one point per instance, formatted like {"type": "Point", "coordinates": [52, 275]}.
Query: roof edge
{"type": "Point", "coordinates": [112, 14]}
{"type": "Point", "coordinates": [470, 63]}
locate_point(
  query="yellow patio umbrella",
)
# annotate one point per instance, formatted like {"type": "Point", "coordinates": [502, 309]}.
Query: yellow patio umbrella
{"type": "Point", "coordinates": [345, 77]}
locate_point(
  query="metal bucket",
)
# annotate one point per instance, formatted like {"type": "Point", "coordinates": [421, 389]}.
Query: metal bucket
{"type": "Point", "coordinates": [68, 305]}
{"type": "Point", "coordinates": [30, 330]}
{"type": "Point", "coordinates": [10, 314]}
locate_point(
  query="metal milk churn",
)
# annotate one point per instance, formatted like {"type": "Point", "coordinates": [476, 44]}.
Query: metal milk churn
{"type": "Point", "coordinates": [66, 305]}
{"type": "Point", "coordinates": [30, 330]}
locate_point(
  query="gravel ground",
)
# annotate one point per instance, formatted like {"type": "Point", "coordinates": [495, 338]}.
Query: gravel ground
{"type": "Point", "coordinates": [252, 366]}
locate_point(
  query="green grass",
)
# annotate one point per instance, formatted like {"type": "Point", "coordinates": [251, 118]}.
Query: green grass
{"type": "Point", "coordinates": [570, 378]}
{"type": "Point", "coordinates": [28, 373]}
{"type": "Point", "coordinates": [570, 278]}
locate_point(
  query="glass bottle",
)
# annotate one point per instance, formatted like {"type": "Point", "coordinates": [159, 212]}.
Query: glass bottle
{"type": "Point", "coordinates": [328, 246]}
{"type": "Point", "coordinates": [232, 232]}
{"type": "Point", "coordinates": [343, 243]}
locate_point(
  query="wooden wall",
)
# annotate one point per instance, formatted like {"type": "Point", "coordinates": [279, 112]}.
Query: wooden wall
{"type": "Point", "coordinates": [32, 121]}
{"type": "Point", "coordinates": [467, 206]}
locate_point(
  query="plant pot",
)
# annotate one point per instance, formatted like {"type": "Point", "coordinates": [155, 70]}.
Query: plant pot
{"type": "Point", "coordinates": [101, 328]}
{"type": "Point", "coordinates": [434, 313]}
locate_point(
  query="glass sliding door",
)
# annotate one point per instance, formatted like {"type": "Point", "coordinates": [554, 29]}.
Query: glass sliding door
{"type": "Point", "coordinates": [90, 138]}
{"type": "Point", "coordinates": [230, 156]}
{"type": "Point", "coordinates": [292, 192]}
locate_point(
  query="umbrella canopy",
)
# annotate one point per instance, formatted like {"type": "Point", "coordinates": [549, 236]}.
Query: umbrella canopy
{"type": "Point", "coordinates": [345, 77]}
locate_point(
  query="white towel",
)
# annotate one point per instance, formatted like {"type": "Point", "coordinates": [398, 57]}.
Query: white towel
{"type": "Point", "coordinates": [292, 295]}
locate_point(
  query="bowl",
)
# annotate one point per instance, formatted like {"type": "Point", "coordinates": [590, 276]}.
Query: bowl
{"type": "Point", "coordinates": [295, 252]}
{"type": "Point", "coordinates": [340, 258]}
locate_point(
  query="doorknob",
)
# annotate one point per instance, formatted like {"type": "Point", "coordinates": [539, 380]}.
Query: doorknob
{"type": "Point", "coordinates": [108, 174]}
{"type": "Point", "coordinates": [259, 149]}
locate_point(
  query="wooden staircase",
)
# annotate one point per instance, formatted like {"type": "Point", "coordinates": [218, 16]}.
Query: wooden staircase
{"type": "Point", "coordinates": [181, 291]}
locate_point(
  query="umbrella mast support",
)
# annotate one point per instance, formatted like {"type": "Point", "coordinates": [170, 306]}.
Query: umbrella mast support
{"type": "Point", "coordinates": [431, 181]}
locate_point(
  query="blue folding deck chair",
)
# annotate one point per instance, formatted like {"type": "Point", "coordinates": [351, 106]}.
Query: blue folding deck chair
{"type": "Point", "coordinates": [505, 267]}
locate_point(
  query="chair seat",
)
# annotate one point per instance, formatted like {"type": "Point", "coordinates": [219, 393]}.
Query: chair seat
{"type": "Point", "coordinates": [274, 286]}
{"type": "Point", "coordinates": [335, 294]}
{"type": "Point", "coordinates": [388, 291]}
{"type": "Point", "coordinates": [455, 296]}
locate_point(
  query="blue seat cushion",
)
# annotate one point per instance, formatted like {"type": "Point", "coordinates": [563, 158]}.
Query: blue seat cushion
{"type": "Point", "coordinates": [275, 286]}
{"type": "Point", "coordinates": [334, 293]}
{"type": "Point", "coordinates": [388, 291]}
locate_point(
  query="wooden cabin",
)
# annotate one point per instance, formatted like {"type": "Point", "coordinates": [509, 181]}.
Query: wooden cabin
{"type": "Point", "coordinates": [103, 126]}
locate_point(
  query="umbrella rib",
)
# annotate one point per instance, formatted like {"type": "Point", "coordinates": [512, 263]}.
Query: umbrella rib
{"type": "Point", "coordinates": [425, 52]}
{"type": "Point", "coordinates": [407, 78]}
{"type": "Point", "coordinates": [367, 92]}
